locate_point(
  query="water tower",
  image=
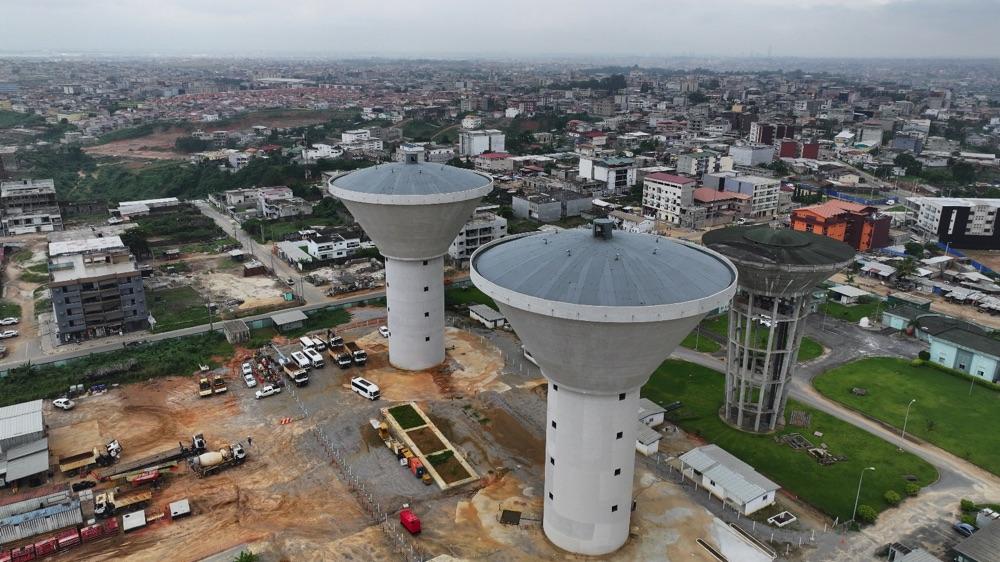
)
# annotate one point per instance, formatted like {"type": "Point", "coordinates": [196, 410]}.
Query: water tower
{"type": "Point", "coordinates": [779, 270]}
{"type": "Point", "coordinates": [413, 210]}
{"type": "Point", "coordinates": [599, 310]}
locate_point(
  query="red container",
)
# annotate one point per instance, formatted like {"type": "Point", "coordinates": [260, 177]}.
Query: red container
{"type": "Point", "coordinates": [5, 556]}
{"type": "Point", "coordinates": [111, 527]}
{"type": "Point", "coordinates": [91, 533]}
{"type": "Point", "coordinates": [47, 546]}
{"type": "Point", "coordinates": [410, 521]}
{"type": "Point", "coordinates": [23, 554]}
{"type": "Point", "coordinates": [68, 539]}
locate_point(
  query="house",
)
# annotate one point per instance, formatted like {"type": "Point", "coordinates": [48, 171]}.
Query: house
{"type": "Point", "coordinates": [713, 207]}
{"type": "Point", "coordinates": [961, 346]}
{"type": "Point", "coordinates": [647, 440]}
{"type": "Point", "coordinates": [487, 316]}
{"type": "Point", "coordinates": [751, 154]}
{"type": "Point", "coordinates": [959, 222]}
{"type": "Point", "coordinates": [900, 316]}
{"type": "Point", "coordinates": [847, 295]}
{"type": "Point", "coordinates": [860, 226]}
{"type": "Point", "coordinates": [728, 478]}
{"type": "Point", "coordinates": [474, 143]}
{"type": "Point", "coordinates": [982, 546]}
{"type": "Point", "coordinates": [278, 202]}
{"type": "Point", "coordinates": [24, 447]}
{"type": "Point", "coordinates": [902, 553]}
{"type": "Point", "coordinates": [290, 320]}
{"type": "Point", "coordinates": [651, 414]}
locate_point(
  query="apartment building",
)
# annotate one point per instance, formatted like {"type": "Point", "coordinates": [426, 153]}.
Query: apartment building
{"type": "Point", "coordinates": [96, 289]}
{"type": "Point", "coordinates": [474, 143]}
{"type": "Point", "coordinates": [616, 174]}
{"type": "Point", "coordinates": [494, 163]}
{"type": "Point", "coordinates": [484, 226]}
{"type": "Point", "coordinates": [331, 246]}
{"type": "Point", "coordinates": [959, 222]}
{"type": "Point", "coordinates": [860, 226]}
{"type": "Point", "coordinates": [667, 197]}
{"type": "Point", "coordinates": [28, 206]}
{"type": "Point", "coordinates": [751, 154]}
{"type": "Point", "coordinates": [278, 202]}
{"type": "Point", "coordinates": [695, 164]}
{"type": "Point", "coordinates": [551, 206]}
{"type": "Point", "coordinates": [763, 193]}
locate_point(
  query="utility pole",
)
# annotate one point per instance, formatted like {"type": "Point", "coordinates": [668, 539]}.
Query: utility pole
{"type": "Point", "coordinates": [906, 419]}
{"type": "Point", "coordinates": [858, 497]}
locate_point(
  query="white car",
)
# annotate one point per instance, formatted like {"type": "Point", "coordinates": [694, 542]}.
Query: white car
{"type": "Point", "coordinates": [268, 391]}
{"type": "Point", "coordinates": [8, 334]}
{"type": "Point", "coordinates": [9, 321]}
{"type": "Point", "coordinates": [384, 330]}
{"type": "Point", "coordinates": [247, 369]}
{"type": "Point", "coordinates": [251, 382]}
{"type": "Point", "coordinates": [63, 403]}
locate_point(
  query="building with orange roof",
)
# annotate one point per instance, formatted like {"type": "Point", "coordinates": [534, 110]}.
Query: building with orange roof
{"type": "Point", "coordinates": [860, 226]}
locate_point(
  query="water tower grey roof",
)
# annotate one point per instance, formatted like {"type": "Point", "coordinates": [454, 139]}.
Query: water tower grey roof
{"type": "Point", "coordinates": [399, 178]}
{"type": "Point", "coordinates": [627, 270]}
{"type": "Point", "coordinates": [778, 247]}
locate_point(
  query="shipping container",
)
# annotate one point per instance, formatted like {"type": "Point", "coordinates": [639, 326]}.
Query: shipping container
{"type": "Point", "coordinates": [68, 539]}
{"type": "Point", "coordinates": [40, 521]}
{"type": "Point", "coordinates": [46, 546]}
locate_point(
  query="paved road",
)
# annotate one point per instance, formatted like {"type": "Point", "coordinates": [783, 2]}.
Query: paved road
{"type": "Point", "coordinates": [924, 520]}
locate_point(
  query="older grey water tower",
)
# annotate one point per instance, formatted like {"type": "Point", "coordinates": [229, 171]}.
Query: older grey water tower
{"type": "Point", "coordinates": [599, 311]}
{"type": "Point", "coordinates": [413, 210]}
{"type": "Point", "coordinates": [779, 269]}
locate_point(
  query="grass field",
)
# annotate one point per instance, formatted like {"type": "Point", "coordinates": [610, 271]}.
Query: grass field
{"type": "Point", "coordinates": [9, 308]}
{"type": "Point", "coordinates": [264, 231]}
{"type": "Point", "coordinates": [177, 308]}
{"type": "Point", "coordinates": [830, 489]}
{"type": "Point", "coordinates": [852, 313]}
{"type": "Point", "coordinates": [319, 320]}
{"type": "Point", "coordinates": [702, 344]}
{"type": "Point", "coordinates": [464, 296]}
{"type": "Point", "coordinates": [809, 349]}
{"type": "Point", "coordinates": [944, 414]}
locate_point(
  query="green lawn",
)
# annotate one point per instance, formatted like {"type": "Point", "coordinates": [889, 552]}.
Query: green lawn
{"type": "Point", "coordinates": [30, 276]}
{"type": "Point", "coordinates": [809, 349]}
{"type": "Point", "coordinates": [263, 231]}
{"type": "Point", "coordinates": [944, 413]}
{"type": "Point", "coordinates": [464, 296]}
{"type": "Point", "coordinates": [852, 313]}
{"type": "Point", "coordinates": [702, 344]}
{"type": "Point", "coordinates": [406, 416]}
{"type": "Point", "coordinates": [178, 308]}
{"type": "Point", "coordinates": [830, 489]}
{"type": "Point", "coordinates": [9, 308]}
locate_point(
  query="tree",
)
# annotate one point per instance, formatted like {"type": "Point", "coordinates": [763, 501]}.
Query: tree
{"type": "Point", "coordinates": [697, 97]}
{"type": "Point", "coordinates": [906, 268]}
{"type": "Point", "coordinates": [867, 514]}
{"type": "Point", "coordinates": [911, 489]}
{"type": "Point", "coordinates": [915, 249]}
{"type": "Point", "coordinates": [963, 172]}
{"type": "Point", "coordinates": [135, 240]}
{"type": "Point", "coordinates": [506, 212]}
{"type": "Point", "coordinates": [892, 497]}
{"type": "Point", "coordinates": [191, 144]}
{"type": "Point", "coordinates": [912, 166]}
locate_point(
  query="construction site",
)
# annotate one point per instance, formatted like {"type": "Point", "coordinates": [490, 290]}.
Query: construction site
{"type": "Point", "coordinates": [448, 461]}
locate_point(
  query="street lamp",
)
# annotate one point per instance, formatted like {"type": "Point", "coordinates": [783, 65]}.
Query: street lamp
{"type": "Point", "coordinates": [858, 497]}
{"type": "Point", "coordinates": [906, 418]}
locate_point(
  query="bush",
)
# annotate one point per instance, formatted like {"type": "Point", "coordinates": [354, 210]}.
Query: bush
{"type": "Point", "coordinates": [968, 505]}
{"type": "Point", "coordinates": [917, 362]}
{"type": "Point", "coordinates": [867, 514]}
{"type": "Point", "coordinates": [892, 497]}
{"type": "Point", "coordinates": [911, 489]}
{"type": "Point", "coordinates": [924, 355]}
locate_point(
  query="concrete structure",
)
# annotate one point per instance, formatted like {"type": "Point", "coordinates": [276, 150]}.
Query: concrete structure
{"type": "Point", "coordinates": [413, 210]}
{"type": "Point", "coordinates": [762, 191]}
{"type": "Point", "coordinates": [751, 154]}
{"type": "Point", "coordinates": [551, 206]}
{"type": "Point", "coordinates": [29, 206]}
{"type": "Point", "coordinates": [278, 202]}
{"type": "Point", "coordinates": [778, 271]}
{"type": "Point", "coordinates": [598, 311]}
{"type": "Point", "coordinates": [474, 143]}
{"type": "Point", "coordinates": [860, 226]}
{"type": "Point", "coordinates": [728, 478]}
{"type": "Point", "coordinates": [959, 222]}
{"type": "Point", "coordinates": [703, 162]}
{"type": "Point", "coordinates": [668, 197]}
{"type": "Point", "coordinates": [24, 449]}
{"type": "Point", "coordinates": [291, 320]}
{"type": "Point", "coordinates": [128, 209]}
{"type": "Point", "coordinates": [96, 289]}
{"type": "Point", "coordinates": [961, 346]}
{"type": "Point", "coordinates": [484, 227]}
{"type": "Point", "coordinates": [616, 174]}
{"type": "Point", "coordinates": [487, 316]}
{"type": "Point", "coordinates": [494, 163]}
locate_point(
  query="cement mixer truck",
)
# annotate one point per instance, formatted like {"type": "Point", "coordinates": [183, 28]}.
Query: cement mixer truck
{"type": "Point", "coordinates": [211, 462]}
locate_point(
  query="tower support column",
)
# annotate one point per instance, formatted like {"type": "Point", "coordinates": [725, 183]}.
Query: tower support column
{"type": "Point", "coordinates": [414, 297]}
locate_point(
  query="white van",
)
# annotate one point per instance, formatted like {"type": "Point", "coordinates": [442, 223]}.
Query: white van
{"type": "Point", "coordinates": [306, 342]}
{"type": "Point", "coordinates": [301, 360]}
{"type": "Point", "coordinates": [314, 357]}
{"type": "Point", "coordinates": [318, 343]}
{"type": "Point", "coordinates": [365, 388]}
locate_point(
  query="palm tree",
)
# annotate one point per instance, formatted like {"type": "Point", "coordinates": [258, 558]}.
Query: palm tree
{"type": "Point", "coordinates": [247, 556]}
{"type": "Point", "coordinates": [906, 268]}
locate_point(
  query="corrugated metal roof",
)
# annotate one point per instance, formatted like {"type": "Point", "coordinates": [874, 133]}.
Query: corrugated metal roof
{"type": "Point", "coordinates": [24, 424]}
{"type": "Point", "coordinates": [27, 465]}
{"type": "Point", "coordinates": [739, 480]}
{"type": "Point", "coordinates": [289, 317]}
{"type": "Point", "coordinates": [649, 408]}
{"type": "Point", "coordinates": [777, 247]}
{"type": "Point", "coordinates": [576, 267]}
{"type": "Point", "coordinates": [28, 448]}
{"type": "Point", "coordinates": [40, 521]}
{"type": "Point", "coordinates": [486, 313]}
{"type": "Point", "coordinates": [647, 435]}
{"type": "Point", "coordinates": [31, 502]}
{"type": "Point", "coordinates": [20, 409]}
{"type": "Point", "coordinates": [398, 178]}
{"type": "Point", "coordinates": [918, 555]}
{"type": "Point", "coordinates": [983, 545]}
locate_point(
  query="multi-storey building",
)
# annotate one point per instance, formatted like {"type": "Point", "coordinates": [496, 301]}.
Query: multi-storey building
{"type": "Point", "coordinates": [703, 162]}
{"type": "Point", "coordinates": [327, 246]}
{"type": "Point", "coordinates": [484, 226]}
{"type": "Point", "coordinates": [96, 289]}
{"type": "Point", "coordinates": [859, 226]}
{"type": "Point", "coordinates": [667, 197]}
{"type": "Point", "coordinates": [28, 206]}
{"type": "Point", "coordinates": [958, 222]}
{"type": "Point", "coordinates": [278, 202]}
{"type": "Point", "coordinates": [494, 163]}
{"type": "Point", "coordinates": [474, 143]}
{"type": "Point", "coordinates": [751, 154]}
{"type": "Point", "coordinates": [617, 174]}
{"type": "Point", "coordinates": [763, 193]}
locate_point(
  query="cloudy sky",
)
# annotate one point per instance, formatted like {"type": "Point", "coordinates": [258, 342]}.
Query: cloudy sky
{"type": "Point", "coordinates": [468, 28]}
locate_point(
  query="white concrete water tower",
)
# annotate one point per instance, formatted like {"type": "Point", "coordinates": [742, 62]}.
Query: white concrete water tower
{"type": "Point", "coordinates": [599, 310]}
{"type": "Point", "coordinates": [413, 210]}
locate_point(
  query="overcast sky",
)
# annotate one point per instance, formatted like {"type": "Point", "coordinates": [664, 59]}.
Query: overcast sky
{"type": "Point", "coordinates": [469, 28]}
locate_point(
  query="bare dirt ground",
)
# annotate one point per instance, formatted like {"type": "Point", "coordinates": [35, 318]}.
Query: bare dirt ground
{"type": "Point", "coordinates": [989, 258]}
{"type": "Point", "coordinates": [220, 279]}
{"type": "Point", "coordinates": [22, 292]}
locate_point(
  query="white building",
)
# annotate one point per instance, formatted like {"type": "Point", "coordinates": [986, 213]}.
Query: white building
{"type": "Point", "coordinates": [472, 122]}
{"type": "Point", "coordinates": [348, 137]}
{"type": "Point", "coordinates": [963, 222]}
{"type": "Point", "coordinates": [728, 478]}
{"type": "Point", "coordinates": [321, 151]}
{"type": "Point", "coordinates": [751, 154]}
{"type": "Point", "coordinates": [763, 193]}
{"type": "Point", "coordinates": [278, 202]}
{"type": "Point", "coordinates": [617, 174]}
{"type": "Point", "coordinates": [667, 197]}
{"type": "Point", "coordinates": [474, 143]}
{"type": "Point", "coordinates": [484, 226]}
{"type": "Point", "coordinates": [28, 206]}
{"type": "Point", "coordinates": [703, 162]}
{"type": "Point", "coordinates": [328, 247]}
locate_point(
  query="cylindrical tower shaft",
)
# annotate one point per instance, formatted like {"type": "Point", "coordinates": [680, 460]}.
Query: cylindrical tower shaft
{"type": "Point", "coordinates": [415, 305]}
{"type": "Point", "coordinates": [590, 462]}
